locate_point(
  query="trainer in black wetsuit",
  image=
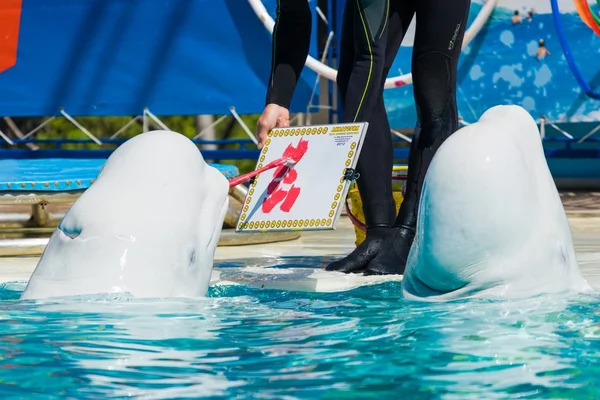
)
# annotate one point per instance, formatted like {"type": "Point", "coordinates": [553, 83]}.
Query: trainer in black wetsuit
{"type": "Point", "coordinates": [291, 42]}
{"type": "Point", "coordinates": [372, 32]}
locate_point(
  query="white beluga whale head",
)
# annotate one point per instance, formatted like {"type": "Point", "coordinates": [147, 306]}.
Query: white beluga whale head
{"type": "Point", "coordinates": [491, 222]}
{"type": "Point", "coordinates": [148, 226]}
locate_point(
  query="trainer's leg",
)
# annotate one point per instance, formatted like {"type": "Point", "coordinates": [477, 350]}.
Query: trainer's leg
{"type": "Point", "coordinates": [438, 40]}
{"type": "Point", "coordinates": [376, 158]}
{"type": "Point", "coordinates": [346, 50]}
{"type": "Point", "coordinates": [369, 31]}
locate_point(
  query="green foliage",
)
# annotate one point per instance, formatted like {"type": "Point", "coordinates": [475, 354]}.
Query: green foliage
{"type": "Point", "coordinates": [104, 127]}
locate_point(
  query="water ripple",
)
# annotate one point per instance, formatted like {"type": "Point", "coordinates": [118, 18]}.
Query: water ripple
{"type": "Point", "coordinates": [243, 343]}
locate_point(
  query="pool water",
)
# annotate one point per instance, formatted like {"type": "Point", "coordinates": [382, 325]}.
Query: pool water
{"type": "Point", "coordinates": [243, 343]}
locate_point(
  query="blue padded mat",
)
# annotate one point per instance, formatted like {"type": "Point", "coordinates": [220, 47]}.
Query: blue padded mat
{"type": "Point", "coordinates": [61, 174]}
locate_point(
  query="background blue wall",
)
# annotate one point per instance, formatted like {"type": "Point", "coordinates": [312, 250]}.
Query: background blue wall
{"type": "Point", "coordinates": [115, 57]}
{"type": "Point", "coordinates": [500, 67]}
{"type": "Point", "coordinates": [178, 57]}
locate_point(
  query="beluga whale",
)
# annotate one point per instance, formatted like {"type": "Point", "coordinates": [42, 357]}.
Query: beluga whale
{"type": "Point", "coordinates": [491, 222]}
{"type": "Point", "coordinates": [148, 226]}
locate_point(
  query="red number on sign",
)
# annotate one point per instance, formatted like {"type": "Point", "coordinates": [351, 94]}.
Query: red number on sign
{"type": "Point", "coordinates": [286, 175]}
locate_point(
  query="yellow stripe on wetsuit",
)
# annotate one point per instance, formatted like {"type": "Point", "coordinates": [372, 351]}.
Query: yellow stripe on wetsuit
{"type": "Point", "coordinates": [362, 19]}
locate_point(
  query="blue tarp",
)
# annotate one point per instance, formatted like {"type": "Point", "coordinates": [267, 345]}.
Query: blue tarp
{"type": "Point", "coordinates": [60, 174]}
{"type": "Point", "coordinates": [115, 57]}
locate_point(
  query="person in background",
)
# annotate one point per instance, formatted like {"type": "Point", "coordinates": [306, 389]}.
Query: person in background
{"type": "Point", "coordinates": [372, 31]}
{"type": "Point", "coordinates": [542, 50]}
{"type": "Point", "coordinates": [529, 14]}
{"type": "Point", "coordinates": [516, 18]}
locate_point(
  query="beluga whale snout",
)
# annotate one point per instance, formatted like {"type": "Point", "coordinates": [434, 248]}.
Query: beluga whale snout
{"type": "Point", "coordinates": [149, 225]}
{"type": "Point", "coordinates": [491, 222]}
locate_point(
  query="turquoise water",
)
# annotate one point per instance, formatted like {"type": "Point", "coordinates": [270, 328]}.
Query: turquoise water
{"type": "Point", "coordinates": [243, 343]}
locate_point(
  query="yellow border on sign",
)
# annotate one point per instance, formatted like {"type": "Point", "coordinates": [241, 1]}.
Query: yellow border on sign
{"type": "Point", "coordinates": [298, 224]}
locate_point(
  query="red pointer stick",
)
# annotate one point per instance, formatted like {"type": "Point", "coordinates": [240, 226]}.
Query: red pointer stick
{"type": "Point", "coordinates": [246, 177]}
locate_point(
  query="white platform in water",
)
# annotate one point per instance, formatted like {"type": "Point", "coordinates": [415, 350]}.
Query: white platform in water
{"type": "Point", "coordinates": [295, 279]}
{"type": "Point", "coordinates": [586, 233]}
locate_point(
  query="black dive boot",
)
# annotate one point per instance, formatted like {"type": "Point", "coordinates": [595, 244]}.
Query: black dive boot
{"type": "Point", "coordinates": [391, 260]}
{"type": "Point", "coordinates": [394, 255]}
{"type": "Point", "coordinates": [358, 260]}
{"type": "Point", "coordinates": [379, 210]}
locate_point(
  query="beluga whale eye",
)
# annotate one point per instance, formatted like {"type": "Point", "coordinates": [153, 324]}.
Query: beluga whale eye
{"type": "Point", "coordinates": [193, 257]}
{"type": "Point", "coordinates": [72, 233]}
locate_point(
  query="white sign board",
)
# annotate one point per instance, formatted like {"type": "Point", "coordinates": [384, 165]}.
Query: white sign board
{"type": "Point", "coordinates": [308, 195]}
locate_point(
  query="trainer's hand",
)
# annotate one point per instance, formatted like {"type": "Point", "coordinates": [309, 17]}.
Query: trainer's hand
{"type": "Point", "coordinates": [273, 116]}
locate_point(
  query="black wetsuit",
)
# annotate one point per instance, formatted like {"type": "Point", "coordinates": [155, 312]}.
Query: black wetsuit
{"type": "Point", "coordinates": [291, 42]}
{"type": "Point", "coordinates": [372, 32]}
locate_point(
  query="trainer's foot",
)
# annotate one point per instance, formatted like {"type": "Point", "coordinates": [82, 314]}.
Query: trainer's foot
{"type": "Point", "coordinates": [391, 260]}
{"type": "Point", "coordinates": [357, 260]}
